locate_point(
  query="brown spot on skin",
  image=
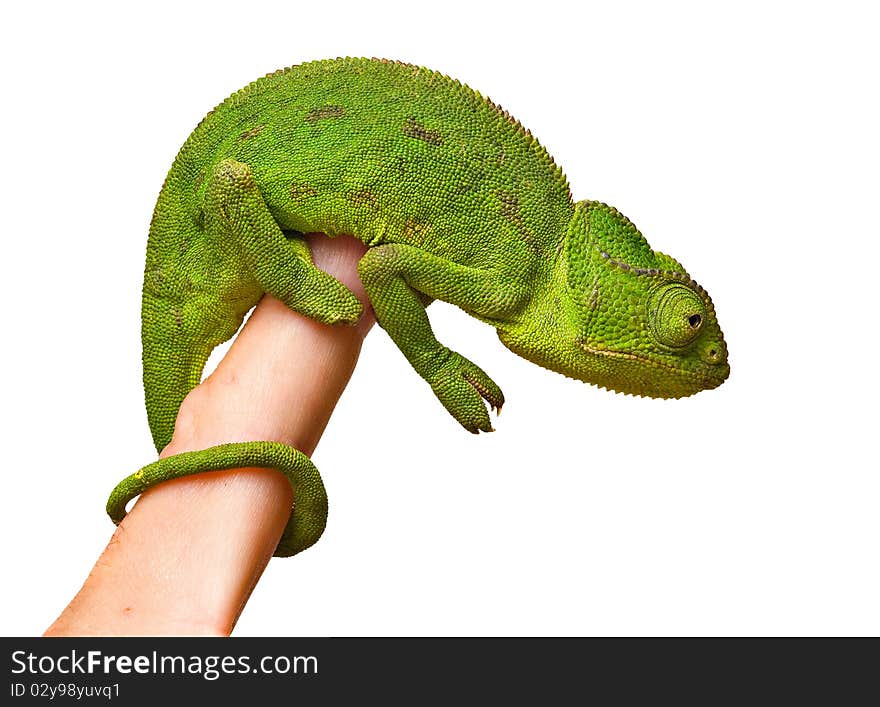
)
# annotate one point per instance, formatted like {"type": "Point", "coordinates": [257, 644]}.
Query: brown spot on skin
{"type": "Point", "coordinates": [153, 280]}
{"type": "Point", "coordinates": [363, 197]}
{"type": "Point", "coordinates": [413, 128]}
{"type": "Point", "coordinates": [410, 227]}
{"type": "Point", "coordinates": [594, 296]}
{"type": "Point", "coordinates": [299, 191]}
{"type": "Point", "coordinates": [511, 212]}
{"type": "Point", "coordinates": [509, 206]}
{"type": "Point", "coordinates": [415, 229]}
{"type": "Point", "coordinates": [247, 119]}
{"type": "Point", "coordinates": [316, 114]}
{"type": "Point", "coordinates": [178, 318]}
{"type": "Point", "coordinates": [253, 132]}
{"type": "Point", "coordinates": [200, 177]}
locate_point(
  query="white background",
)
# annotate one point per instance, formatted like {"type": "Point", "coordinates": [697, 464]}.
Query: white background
{"type": "Point", "coordinates": [744, 142]}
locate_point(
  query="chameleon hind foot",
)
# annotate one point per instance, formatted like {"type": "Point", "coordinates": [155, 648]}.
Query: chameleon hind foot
{"type": "Point", "coordinates": [308, 517]}
{"type": "Point", "coordinates": [237, 211]}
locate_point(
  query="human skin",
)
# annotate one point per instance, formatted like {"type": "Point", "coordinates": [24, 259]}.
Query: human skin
{"type": "Point", "coordinates": [186, 558]}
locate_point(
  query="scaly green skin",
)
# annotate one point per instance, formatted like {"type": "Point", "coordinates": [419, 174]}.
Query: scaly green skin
{"type": "Point", "coordinates": [456, 201]}
{"type": "Point", "coordinates": [311, 499]}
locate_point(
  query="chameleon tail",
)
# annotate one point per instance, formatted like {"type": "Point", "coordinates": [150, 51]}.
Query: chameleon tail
{"type": "Point", "coordinates": [309, 515]}
{"type": "Point", "coordinates": [177, 341]}
{"type": "Point", "coordinates": [166, 386]}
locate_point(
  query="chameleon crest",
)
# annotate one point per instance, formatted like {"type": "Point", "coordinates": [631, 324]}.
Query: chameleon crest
{"type": "Point", "coordinates": [456, 201]}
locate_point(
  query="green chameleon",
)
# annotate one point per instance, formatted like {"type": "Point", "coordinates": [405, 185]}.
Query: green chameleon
{"type": "Point", "coordinates": [455, 200]}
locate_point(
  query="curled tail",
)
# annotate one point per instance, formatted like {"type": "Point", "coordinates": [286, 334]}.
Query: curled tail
{"type": "Point", "coordinates": [177, 339]}
{"type": "Point", "coordinates": [309, 515]}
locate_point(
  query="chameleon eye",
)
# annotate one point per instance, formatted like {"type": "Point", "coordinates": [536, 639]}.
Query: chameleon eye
{"type": "Point", "coordinates": [675, 314]}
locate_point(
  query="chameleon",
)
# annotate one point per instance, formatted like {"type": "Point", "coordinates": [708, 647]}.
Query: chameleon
{"type": "Point", "coordinates": [455, 200]}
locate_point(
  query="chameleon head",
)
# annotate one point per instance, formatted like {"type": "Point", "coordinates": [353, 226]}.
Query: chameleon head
{"type": "Point", "coordinates": [623, 316]}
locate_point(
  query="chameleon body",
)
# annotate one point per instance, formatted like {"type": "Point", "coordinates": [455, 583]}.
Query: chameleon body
{"type": "Point", "coordinates": [456, 201]}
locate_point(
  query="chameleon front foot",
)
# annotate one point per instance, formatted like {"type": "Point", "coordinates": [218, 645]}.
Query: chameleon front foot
{"type": "Point", "coordinates": [281, 266]}
{"type": "Point", "coordinates": [463, 387]}
{"type": "Point", "coordinates": [308, 517]}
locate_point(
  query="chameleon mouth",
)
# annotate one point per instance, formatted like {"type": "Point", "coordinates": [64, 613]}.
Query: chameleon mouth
{"type": "Point", "coordinates": [708, 378]}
